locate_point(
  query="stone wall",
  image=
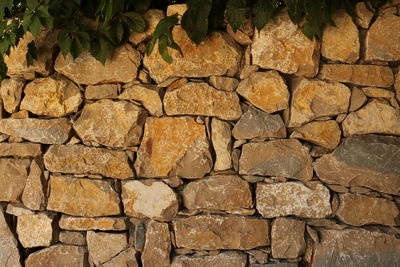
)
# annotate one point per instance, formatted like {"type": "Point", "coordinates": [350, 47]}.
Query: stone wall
{"type": "Point", "coordinates": [254, 149]}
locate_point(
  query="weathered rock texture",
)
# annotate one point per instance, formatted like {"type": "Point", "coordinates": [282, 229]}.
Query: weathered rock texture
{"type": "Point", "coordinates": [35, 230]}
{"type": "Point", "coordinates": [148, 95]}
{"type": "Point", "coordinates": [221, 137]}
{"type": "Point", "coordinates": [9, 256]}
{"type": "Point", "coordinates": [10, 92]}
{"type": "Point", "coordinates": [13, 176]}
{"type": "Point", "coordinates": [99, 223]}
{"type": "Point", "coordinates": [158, 245]}
{"type": "Point", "coordinates": [287, 238]}
{"type": "Point", "coordinates": [56, 256]}
{"type": "Point", "coordinates": [104, 246]}
{"type": "Point", "coordinates": [225, 259]}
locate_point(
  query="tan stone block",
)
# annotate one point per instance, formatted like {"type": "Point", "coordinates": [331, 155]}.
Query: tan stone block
{"type": "Point", "coordinates": [104, 246]}
{"type": "Point", "coordinates": [58, 255]}
{"type": "Point", "coordinates": [35, 230]}
{"type": "Point", "coordinates": [287, 238]}
{"type": "Point", "coordinates": [99, 223]}
{"type": "Point", "coordinates": [157, 247]}
{"type": "Point", "coordinates": [13, 176]}
{"type": "Point", "coordinates": [148, 95]}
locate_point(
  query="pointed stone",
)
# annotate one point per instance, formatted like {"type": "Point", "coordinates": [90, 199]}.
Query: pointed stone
{"type": "Point", "coordinates": [58, 255]}
{"type": "Point", "coordinates": [13, 176]}
{"type": "Point", "coordinates": [35, 230]}
{"type": "Point", "coordinates": [104, 246]}
{"type": "Point", "coordinates": [364, 15]}
{"type": "Point", "coordinates": [102, 91]}
{"type": "Point", "coordinates": [287, 238]}
{"type": "Point", "coordinates": [9, 256]}
{"type": "Point", "coordinates": [357, 99]}
{"type": "Point", "coordinates": [126, 258]}
{"type": "Point", "coordinates": [10, 92]}
{"type": "Point", "coordinates": [222, 142]}
{"type": "Point", "coordinates": [146, 94]}
{"type": "Point", "coordinates": [224, 259]}
{"type": "Point", "coordinates": [20, 150]}
{"type": "Point", "coordinates": [99, 223]}
{"type": "Point", "coordinates": [157, 248]}
{"type": "Point", "coordinates": [34, 196]}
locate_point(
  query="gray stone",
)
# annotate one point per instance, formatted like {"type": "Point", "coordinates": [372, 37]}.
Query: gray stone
{"type": "Point", "coordinates": [9, 253]}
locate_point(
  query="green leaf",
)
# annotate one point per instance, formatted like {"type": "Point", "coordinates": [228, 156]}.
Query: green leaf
{"type": "Point", "coordinates": [310, 30]}
{"type": "Point", "coordinates": [3, 67]}
{"type": "Point", "coordinates": [217, 13]}
{"type": "Point", "coordinates": [263, 11]}
{"type": "Point", "coordinates": [164, 27]}
{"type": "Point", "coordinates": [295, 10]}
{"type": "Point", "coordinates": [5, 4]}
{"type": "Point", "coordinates": [141, 5]}
{"type": "Point", "coordinates": [27, 19]}
{"type": "Point", "coordinates": [64, 42]}
{"type": "Point", "coordinates": [31, 4]}
{"type": "Point", "coordinates": [99, 49]}
{"type": "Point", "coordinates": [236, 13]}
{"type": "Point", "coordinates": [31, 54]}
{"type": "Point", "coordinates": [135, 22]}
{"type": "Point", "coordinates": [4, 46]}
{"type": "Point", "coordinates": [84, 39]}
{"type": "Point", "coordinates": [195, 19]}
{"type": "Point", "coordinates": [163, 49]}
{"type": "Point", "coordinates": [76, 48]}
{"type": "Point", "coordinates": [35, 25]}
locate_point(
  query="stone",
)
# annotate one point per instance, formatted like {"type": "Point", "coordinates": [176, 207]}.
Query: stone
{"type": "Point", "coordinates": [220, 192]}
{"type": "Point", "coordinates": [375, 117]}
{"type": "Point", "coordinates": [179, 9]}
{"type": "Point", "coordinates": [152, 17]}
{"type": "Point", "coordinates": [356, 247]}
{"type": "Point", "coordinates": [378, 92]}
{"type": "Point", "coordinates": [259, 124]}
{"type": "Point", "coordinates": [102, 91]}
{"type": "Point", "coordinates": [110, 123]}
{"type": "Point", "coordinates": [173, 146]}
{"type": "Point", "coordinates": [137, 235]}
{"type": "Point", "coordinates": [86, 224]}
{"type": "Point", "coordinates": [122, 67]}
{"type": "Point", "coordinates": [315, 98]}
{"type": "Point", "coordinates": [287, 158]}
{"type": "Point", "coordinates": [34, 194]}
{"type": "Point", "coordinates": [149, 199]}
{"type": "Point", "coordinates": [221, 138]}
{"type": "Point", "coordinates": [13, 176]}
{"type": "Point", "coordinates": [364, 15]}
{"type": "Point", "coordinates": [323, 133]}
{"type": "Point", "coordinates": [278, 264]}
{"type": "Point", "coordinates": [58, 255]}
{"type": "Point", "coordinates": [218, 54]}
{"type": "Point", "coordinates": [380, 42]}
{"type": "Point", "coordinates": [224, 83]}
{"type": "Point", "coordinates": [104, 246]}
{"type": "Point", "coordinates": [9, 256]}
{"type": "Point", "coordinates": [293, 198]}
{"type": "Point", "coordinates": [10, 92]}
{"type": "Point", "coordinates": [73, 238]}
{"type": "Point", "coordinates": [287, 238]}
{"type": "Point", "coordinates": [157, 247]}
{"type": "Point", "coordinates": [148, 95]}
{"type": "Point", "coordinates": [20, 150]}
{"type": "Point", "coordinates": [18, 209]}
{"type": "Point", "coordinates": [209, 232]}
{"type": "Point", "coordinates": [82, 197]}
{"type": "Point", "coordinates": [45, 131]}
{"type": "Point", "coordinates": [83, 159]}
{"type": "Point", "coordinates": [360, 210]}
{"type": "Point", "coordinates": [282, 46]}
{"type": "Point", "coordinates": [265, 90]}
{"type": "Point", "coordinates": [248, 70]}
{"type": "Point", "coordinates": [35, 230]}
{"type": "Point", "coordinates": [357, 99]}
{"type": "Point", "coordinates": [22, 114]}
{"type": "Point", "coordinates": [126, 258]}
{"type": "Point", "coordinates": [341, 42]}
{"type": "Point", "coordinates": [202, 99]}
{"type": "Point", "coordinates": [365, 160]}
{"type": "Point", "coordinates": [224, 259]}
{"type": "Point", "coordinates": [397, 85]}
{"type": "Point", "coordinates": [365, 75]}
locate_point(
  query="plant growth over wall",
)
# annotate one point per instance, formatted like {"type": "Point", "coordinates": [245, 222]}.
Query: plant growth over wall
{"type": "Point", "coordinates": [101, 25]}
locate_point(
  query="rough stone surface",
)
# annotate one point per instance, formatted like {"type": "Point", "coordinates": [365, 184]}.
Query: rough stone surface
{"type": "Point", "coordinates": [397, 85]}
{"type": "Point", "coordinates": [9, 256]}
{"type": "Point", "coordinates": [149, 198]}
{"type": "Point", "coordinates": [102, 91]}
{"type": "Point", "coordinates": [83, 159]}
{"type": "Point", "coordinates": [148, 95]}
{"type": "Point", "coordinates": [152, 17]}
{"type": "Point", "coordinates": [293, 198]}
{"type": "Point", "coordinates": [157, 246]}
{"type": "Point", "coordinates": [356, 247]}
{"type": "Point", "coordinates": [265, 90]}
{"type": "Point", "coordinates": [18, 209]}
{"type": "Point", "coordinates": [20, 150]}
{"type": "Point", "coordinates": [13, 176]}
{"type": "Point", "coordinates": [82, 197]}
{"type": "Point", "coordinates": [287, 238]}
{"type": "Point", "coordinates": [375, 117]}
{"type": "Point", "coordinates": [10, 92]}
{"type": "Point", "coordinates": [221, 138]}
{"type": "Point", "coordinates": [73, 238]}
{"type": "Point", "coordinates": [282, 46]}
{"type": "Point", "coordinates": [366, 75]}
{"type": "Point", "coordinates": [224, 259]}
{"type": "Point", "coordinates": [323, 133]}
{"type": "Point", "coordinates": [109, 123]}
{"type": "Point", "coordinates": [173, 146]}
{"type": "Point", "coordinates": [378, 92]}
{"type": "Point", "coordinates": [357, 99]}
{"type": "Point", "coordinates": [35, 230]}
{"type": "Point", "coordinates": [34, 196]}
{"type": "Point", "coordinates": [374, 166]}
{"type": "Point", "coordinates": [85, 224]}
{"type": "Point", "coordinates": [56, 256]}
{"type": "Point", "coordinates": [221, 192]}
{"type": "Point", "coordinates": [315, 98]}
{"type": "Point", "coordinates": [104, 246]}
{"type": "Point", "coordinates": [202, 99]}
{"type": "Point", "coordinates": [287, 158]}
{"type": "Point", "coordinates": [121, 68]}
{"type": "Point", "coordinates": [216, 55]}
{"type": "Point", "coordinates": [364, 15]}
{"type": "Point", "coordinates": [208, 232]}
{"type": "Point", "coordinates": [126, 258]}
{"type": "Point", "coordinates": [45, 131]}
{"type": "Point", "coordinates": [224, 83]}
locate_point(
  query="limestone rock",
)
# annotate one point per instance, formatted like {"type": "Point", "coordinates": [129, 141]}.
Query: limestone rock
{"type": "Point", "coordinates": [173, 146]}
{"type": "Point", "coordinates": [152, 17]}
{"type": "Point", "coordinates": [202, 99]}
{"type": "Point", "coordinates": [45, 131]}
{"type": "Point", "coordinates": [148, 95]}
{"type": "Point", "coordinates": [85, 224]}
{"type": "Point", "coordinates": [222, 142]}
{"type": "Point", "coordinates": [102, 91]}
{"type": "Point", "coordinates": [9, 256]}
{"type": "Point", "coordinates": [378, 92]}
{"type": "Point", "coordinates": [366, 75]}
{"type": "Point", "coordinates": [149, 198]}
{"type": "Point", "coordinates": [13, 176]}
{"type": "Point", "coordinates": [364, 15]}
{"type": "Point", "coordinates": [224, 259]}
{"type": "Point", "coordinates": [216, 55]}
{"type": "Point", "coordinates": [281, 45]}
{"type": "Point", "coordinates": [109, 123]}
{"type": "Point", "coordinates": [52, 96]}
{"type": "Point", "coordinates": [179, 9]}
{"type": "Point", "coordinates": [293, 198]}
{"type": "Point", "coordinates": [357, 99]}
{"type": "Point", "coordinates": [278, 264]}
{"type": "Point", "coordinates": [259, 124]}
{"type": "Point", "coordinates": [122, 67]}
{"type": "Point", "coordinates": [158, 245]}
{"type": "Point", "coordinates": [243, 34]}
{"type": "Point", "coordinates": [104, 246]}
{"type": "Point", "coordinates": [209, 232]}
{"type": "Point", "coordinates": [20, 150]}
{"type": "Point", "coordinates": [287, 238]}
{"type": "Point", "coordinates": [35, 230]}
{"type": "Point", "coordinates": [356, 247]}
{"type": "Point", "coordinates": [265, 90]}
{"type": "Point", "coordinates": [126, 258]}
{"type": "Point", "coordinates": [315, 98]}
{"type": "Point", "coordinates": [341, 42]}
{"type": "Point", "coordinates": [73, 238]}
{"type": "Point", "coordinates": [359, 210]}
{"type": "Point", "coordinates": [222, 192]}
{"type": "Point", "coordinates": [34, 196]}
{"type": "Point", "coordinates": [375, 117]}
{"type": "Point", "coordinates": [18, 209]}
{"type": "Point", "coordinates": [58, 255]}
{"type": "Point", "coordinates": [224, 83]}
{"type": "Point", "coordinates": [287, 158]}
{"type": "Point", "coordinates": [323, 133]}
{"type": "Point", "coordinates": [82, 159]}
{"type": "Point", "coordinates": [397, 85]}
{"type": "Point", "coordinates": [365, 160]}
{"type": "Point", "coordinates": [82, 197]}
{"type": "Point", "coordinates": [380, 42]}
{"type": "Point", "coordinates": [10, 92]}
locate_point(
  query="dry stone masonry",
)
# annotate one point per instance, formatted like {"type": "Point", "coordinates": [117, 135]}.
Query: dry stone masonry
{"type": "Point", "coordinates": [253, 149]}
